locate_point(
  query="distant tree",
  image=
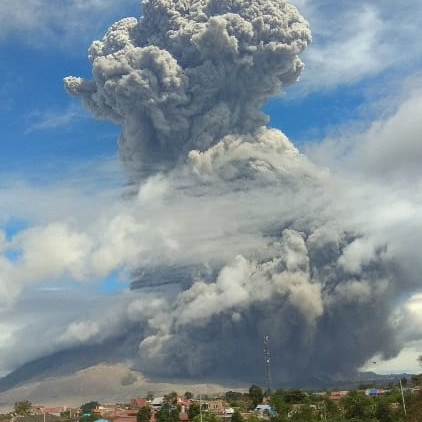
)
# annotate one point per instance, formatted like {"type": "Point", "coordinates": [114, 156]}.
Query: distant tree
{"type": "Point", "coordinates": [365, 386]}
{"type": "Point", "coordinates": [188, 395]}
{"type": "Point", "coordinates": [67, 414]}
{"type": "Point", "coordinates": [144, 414]}
{"type": "Point", "coordinates": [255, 394]}
{"type": "Point", "coordinates": [279, 404]}
{"type": "Point", "coordinates": [232, 395]}
{"type": "Point", "coordinates": [305, 413]}
{"type": "Point", "coordinates": [207, 417]}
{"type": "Point", "coordinates": [330, 410]}
{"type": "Point", "coordinates": [384, 411]}
{"type": "Point", "coordinates": [414, 411]}
{"type": "Point", "coordinates": [89, 407]}
{"type": "Point", "coordinates": [277, 418]}
{"type": "Point", "coordinates": [171, 398]}
{"type": "Point", "coordinates": [420, 360]}
{"type": "Point", "coordinates": [193, 410]}
{"type": "Point", "coordinates": [150, 395]}
{"type": "Point", "coordinates": [295, 396]}
{"type": "Point", "coordinates": [254, 418]}
{"type": "Point", "coordinates": [167, 413]}
{"type": "Point", "coordinates": [89, 417]}
{"type": "Point", "coordinates": [416, 379]}
{"type": "Point", "coordinates": [22, 408]}
{"type": "Point", "coordinates": [358, 406]}
{"type": "Point", "coordinates": [239, 400]}
{"type": "Point", "coordinates": [237, 417]}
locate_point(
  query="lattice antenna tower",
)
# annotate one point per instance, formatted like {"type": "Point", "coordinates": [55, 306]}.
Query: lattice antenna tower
{"type": "Point", "coordinates": [267, 365]}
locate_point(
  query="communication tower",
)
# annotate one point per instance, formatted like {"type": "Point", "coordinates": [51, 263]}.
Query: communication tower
{"type": "Point", "coordinates": [267, 365]}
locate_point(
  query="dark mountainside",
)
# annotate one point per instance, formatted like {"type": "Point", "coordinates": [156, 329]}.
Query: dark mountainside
{"type": "Point", "coordinates": [67, 362]}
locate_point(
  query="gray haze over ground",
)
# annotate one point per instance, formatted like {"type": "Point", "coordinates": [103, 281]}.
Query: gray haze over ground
{"type": "Point", "coordinates": [247, 236]}
{"type": "Point", "coordinates": [105, 383]}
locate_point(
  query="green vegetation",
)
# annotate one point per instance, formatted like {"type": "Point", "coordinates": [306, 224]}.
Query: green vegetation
{"type": "Point", "coordinates": [22, 408]}
{"type": "Point", "coordinates": [253, 418]}
{"type": "Point", "coordinates": [415, 408]}
{"type": "Point", "coordinates": [144, 414]}
{"type": "Point", "coordinates": [87, 412]}
{"type": "Point", "coordinates": [238, 400]}
{"type": "Point", "coordinates": [416, 379]}
{"type": "Point", "coordinates": [89, 407]}
{"type": "Point", "coordinates": [307, 413]}
{"type": "Point", "coordinates": [193, 410]}
{"type": "Point", "coordinates": [66, 414]}
{"type": "Point", "coordinates": [256, 395]}
{"type": "Point", "coordinates": [292, 405]}
{"type": "Point", "coordinates": [167, 413]}
{"type": "Point", "coordinates": [299, 406]}
{"type": "Point", "coordinates": [207, 417]}
{"type": "Point", "coordinates": [282, 401]}
{"type": "Point", "coordinates": [171, 398]}
{"type": "Point", "coordinates": [237, 417]}
{"type": "Point", "coordinates": [245, 401]}
{"type": "Point", "coordinates": [329, 409]}
{"type": "Point", "coordinates": [357, 406]}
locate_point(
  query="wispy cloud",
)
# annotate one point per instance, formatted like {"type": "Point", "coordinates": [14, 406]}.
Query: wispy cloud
{"type": "Point", "coordinates": [388, 149]}
{"type": "Point", "coordinates": [80, 190]}
{"type": "Point", "coordinates": [40, 23]}
{"type": "Point", "coordinates": [353, 41]}
{"type": "Point", "coordinates": [53, 119]}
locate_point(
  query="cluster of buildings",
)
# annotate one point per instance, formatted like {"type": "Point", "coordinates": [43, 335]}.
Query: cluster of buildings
{"type": "Point", "coordinates": [128, 413]}
{"type": "Point", "coordinates": [337, 394]}
{"type": "Point", "coordinates": [218, 406]}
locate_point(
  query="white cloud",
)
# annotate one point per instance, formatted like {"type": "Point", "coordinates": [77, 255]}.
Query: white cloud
{"type": "Point", "coordinates": [404, 362]}
{"type": "Point", "coordinates": [40, 23]}
{"type": "Point", "coordinates": [350, 52]}
{"type": "Point", "coordinates": [77, 192]}
{"type": "Point", "coordinates": [352, 41]}
{"type": "Point", "coordinates": [393, 148]}
{"type": "Point", "coordinates": [388, 150]}
{"type": "Point", "coordinates": [51, 320]}
{"type": "Point", "coordinates": [52, 119]}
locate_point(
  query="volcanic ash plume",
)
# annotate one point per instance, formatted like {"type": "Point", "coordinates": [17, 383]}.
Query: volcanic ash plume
{"type": "Point", "coordinates": [190, 72]}
{"type": "Point", "coordinates": [254, 236]}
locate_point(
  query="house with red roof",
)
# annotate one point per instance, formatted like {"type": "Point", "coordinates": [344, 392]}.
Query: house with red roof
{"type": "Point", "coordinates": [139, 402]}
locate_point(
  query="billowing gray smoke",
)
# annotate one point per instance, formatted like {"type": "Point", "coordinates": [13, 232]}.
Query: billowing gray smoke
{"type": "Point", "coordinates": [255, 236]}
{"type": "Point", "coordinates": [190, 72]}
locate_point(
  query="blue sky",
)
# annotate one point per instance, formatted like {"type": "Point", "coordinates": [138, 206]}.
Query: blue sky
{"type": "Point", "coordinates": [355, 111]}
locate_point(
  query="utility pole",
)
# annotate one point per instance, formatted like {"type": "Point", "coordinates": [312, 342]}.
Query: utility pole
{"type": "Point", "coordinates": [325, 411]}
{"type": "Point", "coordinates": [200, 408]}
{"type": "Point", "coordinates": [267, 365]}
{"type": "Point", "coordinates": [402, 397]}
